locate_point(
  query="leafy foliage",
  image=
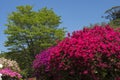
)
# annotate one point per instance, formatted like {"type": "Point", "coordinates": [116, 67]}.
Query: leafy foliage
{"type": "Point", "coordinates": [115, 23]}
{"type": "Point", "coordinates": [29, 32]}
{"type": "Point", "coordinates": [113, 14]}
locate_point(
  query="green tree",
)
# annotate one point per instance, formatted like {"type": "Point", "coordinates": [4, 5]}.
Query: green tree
{"type": "Point", "coordinates": [29, 32]}
{"type": "Point", "coordinates": [113, 14]}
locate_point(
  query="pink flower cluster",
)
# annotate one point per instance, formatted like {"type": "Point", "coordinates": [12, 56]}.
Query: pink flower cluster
{"type": "Point", "coordinates": [88, 54]}
{"type": "Point", "coordinates": [41, 63]}
{"type": "Point", "coordinates": [10, 73]}
{"type": "Point", "coordinates": [41, 59]}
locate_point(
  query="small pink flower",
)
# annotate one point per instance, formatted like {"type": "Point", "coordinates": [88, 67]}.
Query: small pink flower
{"type": "Point", "coordinates": [85, 72]}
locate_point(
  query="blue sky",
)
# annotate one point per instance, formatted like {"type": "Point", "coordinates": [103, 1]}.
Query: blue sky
{"type": "Point", "coordinates": [75, 14]}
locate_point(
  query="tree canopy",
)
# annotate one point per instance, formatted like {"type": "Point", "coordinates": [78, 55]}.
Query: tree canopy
{"type": "Point", "coordinates": [29, 32]}
{"type": "Point", "coordinates": [113, 14]}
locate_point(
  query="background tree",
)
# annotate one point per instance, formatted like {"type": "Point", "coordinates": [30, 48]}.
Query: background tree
{"type": "Point", "coordinates": [113, 14]}
{"type": "Point", "coordinates": [29, 32]}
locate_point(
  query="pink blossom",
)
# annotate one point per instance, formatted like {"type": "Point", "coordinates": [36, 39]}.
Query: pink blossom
{"type": "Point", "coordinates": [10, 73]}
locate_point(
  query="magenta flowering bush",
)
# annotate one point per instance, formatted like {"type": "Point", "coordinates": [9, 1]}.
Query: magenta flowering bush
{"type": "Point", "coordinates": [41, 64]}
{"type": "Point", "coordinates": [8, 73]}
{"type": "Point", "coordinates": [88, 54]}
{"type": "Point", "coordinates": [41, 59]}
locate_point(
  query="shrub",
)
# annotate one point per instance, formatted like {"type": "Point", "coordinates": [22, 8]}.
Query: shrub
{"type": "Point", "coordinates": [7, 63]}
{"type": "Point", "coordinates": [10, 69]}
{"type": "Point", "coordinates": [88, 54]}
{"type": "Point", "coordinates": [9, 74]}
{"type": "Point", "coordinates": [41, 64]}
